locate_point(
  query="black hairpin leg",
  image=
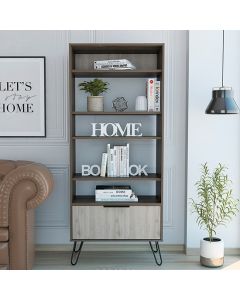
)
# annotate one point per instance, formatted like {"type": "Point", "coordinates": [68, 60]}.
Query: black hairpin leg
{"type": "Point", "coordinates": [76, 253]}
{"type": "Point", "coordinates": [155, 251]}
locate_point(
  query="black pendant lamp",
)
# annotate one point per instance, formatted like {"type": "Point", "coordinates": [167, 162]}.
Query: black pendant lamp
{"type": "Point", "coordinates": [222, 100]}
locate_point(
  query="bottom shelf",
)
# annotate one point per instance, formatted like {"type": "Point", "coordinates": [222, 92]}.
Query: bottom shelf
{"type": "Point", "coordinates": [90, 201]}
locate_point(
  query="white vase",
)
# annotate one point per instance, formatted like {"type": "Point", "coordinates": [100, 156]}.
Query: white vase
{"type": "Point", "coordinates": [141, 103]}
{"type": "Point", "coordinates": [95, 103]}
{"type": "Point", "coordinates": [212, 253]}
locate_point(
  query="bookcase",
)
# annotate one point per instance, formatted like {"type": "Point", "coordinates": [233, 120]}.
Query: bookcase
{"type": "Point", "coordinates": [135, 221]}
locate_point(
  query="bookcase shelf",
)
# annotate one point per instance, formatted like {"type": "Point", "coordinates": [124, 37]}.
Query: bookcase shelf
{"type": "Point", "coordinates": [91, 220]}
{"type": "Point", "coordinates": [151, 176]}
{"type": "Point", "coordinates": [90, 200]}
{"type": "Point", "coordinates": [113, 113]}
{"type": "Point", "coordinates": [116, 74]}
{"type": "Point", "coordinates": [116, 138]}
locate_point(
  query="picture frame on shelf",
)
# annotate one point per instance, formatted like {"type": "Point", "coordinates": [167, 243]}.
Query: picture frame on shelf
{"type": "Point", "coordinates": [22, 96]}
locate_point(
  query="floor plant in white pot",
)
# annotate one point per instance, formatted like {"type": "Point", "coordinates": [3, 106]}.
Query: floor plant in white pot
{"type": "Point", "coordinates": [215, 206]}
{"type": "Point", "coordinates": [95, 87]}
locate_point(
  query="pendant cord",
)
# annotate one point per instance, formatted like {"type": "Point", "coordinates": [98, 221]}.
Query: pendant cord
{"type": "Point", "coordinates": [222, 58]}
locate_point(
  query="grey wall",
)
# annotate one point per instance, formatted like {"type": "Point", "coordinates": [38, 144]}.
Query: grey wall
{"type": "Point", "coordinates": [52, 221]}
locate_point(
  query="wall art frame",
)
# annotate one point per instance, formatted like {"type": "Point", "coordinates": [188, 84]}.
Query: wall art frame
{"type": "Point", "coordinates": [22, 96]}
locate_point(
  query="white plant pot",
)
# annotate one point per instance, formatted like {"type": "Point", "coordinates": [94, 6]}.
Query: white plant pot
{"type": "Point", "coordinates": [95, 103]}
{"type": "Point", "coordinates": [212, 253]}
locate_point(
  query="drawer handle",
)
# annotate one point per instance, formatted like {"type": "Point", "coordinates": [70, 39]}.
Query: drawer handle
{"type": "Point", "coordinates": [106, 206]}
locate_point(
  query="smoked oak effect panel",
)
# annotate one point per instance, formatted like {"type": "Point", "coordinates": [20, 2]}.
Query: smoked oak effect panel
{"type": "Point", "coordinates": [98, 222]}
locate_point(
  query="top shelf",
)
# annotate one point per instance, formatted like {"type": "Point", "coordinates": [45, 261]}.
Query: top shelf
{"type": "Point", "coordinates": [117, 73]}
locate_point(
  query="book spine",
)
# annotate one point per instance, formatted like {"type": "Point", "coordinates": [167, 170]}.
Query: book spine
{"type": "Point", "coordinates": [111, 162]}
{"type": "Point", "coordinates": [115, 158]}
{"type": "Point", "coordinates": [157, 106]}
{"type": "Point", "coordinates": [108, 161]}
{"type": "Point", "coordinates": [150, 94]}
{"type": "Point", "coordinates": [127, 160]}
{"type": "Point", "coordinates": [103, 165]}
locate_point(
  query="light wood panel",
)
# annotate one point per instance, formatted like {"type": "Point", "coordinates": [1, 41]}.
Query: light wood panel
{"type": "Point", "coordinates": [98, 222]}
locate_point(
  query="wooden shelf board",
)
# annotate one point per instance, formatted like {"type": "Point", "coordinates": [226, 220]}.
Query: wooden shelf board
{"type": "Point", "coordinates": [116, 138]}
{"type": "Point", "coordinates": [116, 73]}
{"type": "Point", "coordinates": [151, 176]}
{"type": "Point", "coordinates": [90, 201]}
{"type": "Point", "coordinates": [87, 113]}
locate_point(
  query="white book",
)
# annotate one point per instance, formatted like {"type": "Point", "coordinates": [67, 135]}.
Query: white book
{"type": "Point", "coordinates": [115, 158]}
{"type": "Point", "coordinates": [124, 193]}
{"type": "Point", "coordinates": [104, 165]}
{"type": "Point", "coordinates": [157, 106]}
{"type": "Point", "coordinates": [121, 166]}
{"type": "Point", "coordinates": [112, 163]}
{"type": "Point", "coordinates": [127, 160]}
{"type": "Point", "coordinates": [150, 91]}
{"type": "Point", "coordinates": [113, 63]}
{"type": "Point", "coordinates": [108, 161]}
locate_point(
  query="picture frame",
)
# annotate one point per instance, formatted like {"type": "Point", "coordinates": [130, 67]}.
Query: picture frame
{"type": "Point", "coordinates": [22, 96]}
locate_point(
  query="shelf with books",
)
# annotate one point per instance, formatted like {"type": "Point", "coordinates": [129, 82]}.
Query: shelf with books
{"type": "Point", "coordinates": [151, 176]}
{"type": "Point", "coordinates": [90, 200]}
{"type": "Point", "coordinates": [116, 73]}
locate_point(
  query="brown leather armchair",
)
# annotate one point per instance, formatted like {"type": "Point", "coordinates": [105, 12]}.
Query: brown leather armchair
{"type": "Point", "coordinates": [23, 186]}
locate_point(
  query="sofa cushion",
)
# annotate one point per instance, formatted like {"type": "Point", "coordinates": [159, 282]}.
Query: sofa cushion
{"type": "Point", "coordinates": [3, 234]}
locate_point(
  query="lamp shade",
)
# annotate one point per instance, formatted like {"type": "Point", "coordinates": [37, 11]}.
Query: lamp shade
{"type": "Point", "coordinates": [222, 102]}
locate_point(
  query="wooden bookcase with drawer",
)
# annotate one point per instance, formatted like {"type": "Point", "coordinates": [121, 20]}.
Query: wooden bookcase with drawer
{"type": "Point", "coordinates": [119, 221]}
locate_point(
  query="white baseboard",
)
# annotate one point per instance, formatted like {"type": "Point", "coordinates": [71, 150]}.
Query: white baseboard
{"type": "Point", "coordinates": [109, 246]}
{"type": "Point", "coordinates": [227, 251]}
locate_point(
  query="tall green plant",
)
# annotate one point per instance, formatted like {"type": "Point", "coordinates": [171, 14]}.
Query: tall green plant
{"type": "Point", "coordinates": [216, 205]}
{"type": "Point", "coordinates": [94, 87]}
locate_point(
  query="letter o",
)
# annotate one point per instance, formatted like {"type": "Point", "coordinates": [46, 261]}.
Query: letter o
{"type": "Point", "coordinates": [97, 173]}
{"type": "Point", "coordinates": [133, 173]}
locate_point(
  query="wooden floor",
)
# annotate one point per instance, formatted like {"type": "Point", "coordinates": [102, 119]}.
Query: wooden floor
{"type": "Point", "coordinates": [123, 260]}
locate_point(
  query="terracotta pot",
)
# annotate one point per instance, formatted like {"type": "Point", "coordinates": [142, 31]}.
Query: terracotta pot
{"type": "Point", "coordinates": [95, 103]}
{"type": "Point", "coordinates": [212, 253]}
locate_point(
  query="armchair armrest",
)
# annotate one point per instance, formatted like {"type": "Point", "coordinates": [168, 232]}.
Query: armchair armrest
{"type": "Point", "coordinates": [37, 175]}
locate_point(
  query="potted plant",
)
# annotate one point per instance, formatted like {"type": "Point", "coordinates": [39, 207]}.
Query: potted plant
{"type": "Point", "coordinates": [94, 88]}
{"type": "Point", "coordinates": [216, 206]}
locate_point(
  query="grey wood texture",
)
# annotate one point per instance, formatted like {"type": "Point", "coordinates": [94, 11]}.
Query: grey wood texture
{"type": "Point", "coordinates": [98, 222]}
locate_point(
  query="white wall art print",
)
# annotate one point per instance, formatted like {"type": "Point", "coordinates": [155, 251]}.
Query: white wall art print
{"type": "Point", "coordinates": [22, 96]}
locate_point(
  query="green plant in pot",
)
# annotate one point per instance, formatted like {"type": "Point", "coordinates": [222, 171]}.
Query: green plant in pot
{"type": "Point", "coordinates": [95, 87]}
{"type": "Point", "coordinates": [215, 206]}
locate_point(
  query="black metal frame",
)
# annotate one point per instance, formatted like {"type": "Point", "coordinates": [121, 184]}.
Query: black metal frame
{"type": "Point", "coordinates": [76, 252]}
{"type": "Point", "coordinates": [155, 251]}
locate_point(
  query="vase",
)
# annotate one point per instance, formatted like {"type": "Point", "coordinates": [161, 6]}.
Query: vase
{"type": "Point", "coordinates": [212, 253]}
{"type": "Point", "coordinates": [141, 103]}
{"type": "Point", "coordinates": [95, 103]}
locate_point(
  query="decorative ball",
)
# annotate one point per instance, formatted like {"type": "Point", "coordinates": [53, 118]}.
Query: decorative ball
{"type": "Point", "coordinates": [120, 104]}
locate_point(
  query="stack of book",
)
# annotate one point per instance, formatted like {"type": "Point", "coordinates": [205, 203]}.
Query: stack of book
{"type": "Point", "coordinates": [117, 64]}
{"type": "Point", "coordinates": [106, 193]}
{"type": "Point", "coordinates": [115, 163]}
{"type": "Point", "coordinates": [153, 94]}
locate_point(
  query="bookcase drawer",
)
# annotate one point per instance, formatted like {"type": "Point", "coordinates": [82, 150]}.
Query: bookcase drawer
{"type": "Point", "coordinates": [99, 222]}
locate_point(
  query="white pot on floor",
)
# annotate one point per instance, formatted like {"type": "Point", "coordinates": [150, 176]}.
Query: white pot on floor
{"type": "Point", "coordinates": [212, 253]}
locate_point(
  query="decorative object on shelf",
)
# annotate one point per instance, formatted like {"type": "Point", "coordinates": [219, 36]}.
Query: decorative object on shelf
{"type": "Point", "coordinates": [113, 64]}
{"type": "Point", "coordinates": [22, 96]}
{"type": "Point", "coordinates": [88, 170]}
{"type": "Point", "coordinates": [120, 104]}
{"type": "Point", "coordinates": [139, 170]}
{"type": "Point", "coordinates": [153, 95]}
{"type": "Point", "coordinates": [222, 99]}
{"type": "Point", "coordinates": [141, 103]}
{"type": "Point", "coordinates": [131, 129]}
{"type": "Point", "coordinates": [216, 207]}
{"type": "Point", "coordinates": [95, 87]}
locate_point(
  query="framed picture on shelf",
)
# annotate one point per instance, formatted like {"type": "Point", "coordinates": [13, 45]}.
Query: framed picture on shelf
{"type": "Point", "coordinates": [22, 96]}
